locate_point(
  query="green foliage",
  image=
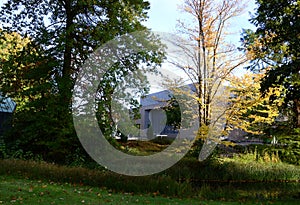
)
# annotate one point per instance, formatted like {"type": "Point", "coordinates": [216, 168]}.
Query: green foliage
{"type": "Point", "coordinates": [285, 151]}
{"type": "Point", "coordinates": [162, 140]}
{"type": "Point", "coordinates": [261, 154]}
{"type": "Point", "coordinates": [2, 148]}
{"type": "Point", "coordinates": [289, 145]}
{"type": "Point", "coordinates": [28, 155]}
{"type": "Point", "coordinates": [274, 47]}
{"type": "Point", "coordinates": [173, 113]}
{"type": "Point", "coordinates": [42, 48]}
{"type": "Point", "coordinates": [227, 179]}
{"type": "Point", "coordinates": [196, 148]}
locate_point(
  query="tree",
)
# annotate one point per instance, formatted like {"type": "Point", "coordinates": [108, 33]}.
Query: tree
{"type": "Point", "coordinates": [274, 47]}
{"type": "Point", "coordinates": [26, 78]}
{"type": "Point", "coordinates": [69, 30]}
{"type": "Point", "coordinates": [62, 34]}
{"type": "Point", "coordinates": [173, 113]}
{"type": "Point", "coordinates": [11, 43]}
{"type": "Point", "coordinates": [248, 108]}
{"type": "Point", "coordinates": [212, 59]}
{"type": "Point", "coordinates": [18, 68]}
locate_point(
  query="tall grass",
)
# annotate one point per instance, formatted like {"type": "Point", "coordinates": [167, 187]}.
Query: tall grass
{"type": "Point", "coordinates": [100, 178]}
{"type": "Point", "coordinates": [235, 169]}
{"type": "Point", "coordinates": [213, 179]}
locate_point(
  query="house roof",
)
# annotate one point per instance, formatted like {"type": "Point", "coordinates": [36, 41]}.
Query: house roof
{"type": "Point", "coordinates": [7, 104]}
{"type": "Point", "coordinates": [156, 98]}
{"type": "Point", "coordinates": [161, 97]}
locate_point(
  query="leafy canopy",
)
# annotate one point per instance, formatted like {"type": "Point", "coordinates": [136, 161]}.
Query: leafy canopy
{"type": "Point", "coordinates": [274, 47]}
{"type": "Point", "coordinates": [59, 36]}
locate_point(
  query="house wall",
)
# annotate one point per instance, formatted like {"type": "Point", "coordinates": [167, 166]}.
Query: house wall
{"type": "Point", "coordinates": [151, 102]}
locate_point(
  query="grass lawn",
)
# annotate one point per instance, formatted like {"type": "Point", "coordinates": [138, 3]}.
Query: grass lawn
{"type": "Point", "coordinates": [238, 180]}
{"type": "Point", "coordinates": [15, 190]}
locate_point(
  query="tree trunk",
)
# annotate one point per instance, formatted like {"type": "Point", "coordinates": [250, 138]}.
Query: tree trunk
{"type": "Point", "coordinates": [66, 82]}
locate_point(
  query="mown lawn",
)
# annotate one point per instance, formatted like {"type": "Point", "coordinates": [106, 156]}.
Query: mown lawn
{"type": "Point", "coordinates": [15, 190]}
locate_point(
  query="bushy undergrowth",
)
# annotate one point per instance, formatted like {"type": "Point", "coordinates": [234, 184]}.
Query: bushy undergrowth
{"type": "Point", "coordinates": [233, 169]}
{"type": "Point", "coordinates": [101, 178]}
{"type": "Point", "coordinates": [187, 178]}
{"type": "Point", "coordinates": [243, 175]}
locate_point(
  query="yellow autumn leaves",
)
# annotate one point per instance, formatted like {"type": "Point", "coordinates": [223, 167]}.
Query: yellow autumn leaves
{"type": "Point", "coordinates": [251, 110]}
{"type": "Point", "coordinates": [11, 44]}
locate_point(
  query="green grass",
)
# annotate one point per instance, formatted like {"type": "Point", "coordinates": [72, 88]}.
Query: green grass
{"type": "Point", "coordinates": [237, 179]}
{"type": "Point", "coordinates": [227, 179]}
{"type": "Point", "coordinates": [15, 190]}
{"type": "Point", "coordinates": [78, 175]}
{"type": "Point", "coordinates": [227, 170]}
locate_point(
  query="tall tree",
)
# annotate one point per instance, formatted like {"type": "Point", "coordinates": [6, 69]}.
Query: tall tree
{"type": "Point", "coordinates": [17, 69]}
{"type": "Point", "coordinates": [211, 57]}
{"type": "Point", "coordinates": [274, 47]}
{"type": "Point", "coordinates": [62, 33]}
{"type": "Point", "coordinates": [70, 29]}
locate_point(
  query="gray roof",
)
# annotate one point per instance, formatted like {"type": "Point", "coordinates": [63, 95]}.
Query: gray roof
{"type": "Point", "coordinates": [7, 104]}
{"type": "Point", "coordinates": [156, 98]}
{"type": "Point", "coordinates": [160, 98]}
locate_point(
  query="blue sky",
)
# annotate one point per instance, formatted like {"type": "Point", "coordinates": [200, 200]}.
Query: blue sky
{"type": "Point", "coordinates": [163, 16]}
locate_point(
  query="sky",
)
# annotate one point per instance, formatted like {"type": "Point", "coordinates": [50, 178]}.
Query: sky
{"type": "Point", "coordinates": [163, 16]}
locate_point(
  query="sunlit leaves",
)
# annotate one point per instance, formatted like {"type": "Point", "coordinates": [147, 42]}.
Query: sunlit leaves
{"type": "Point", "coordinates": [40, 78]}
{"type": "Point", "coordinates": [211, 57]}
{"type": "Point", "coordinates": [249, 109]}
{"type": "Point", "coordinates": [274, 47]}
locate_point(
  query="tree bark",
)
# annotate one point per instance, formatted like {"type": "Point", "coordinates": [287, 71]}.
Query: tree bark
{"type": "Point", "coordinates": [66, 82]}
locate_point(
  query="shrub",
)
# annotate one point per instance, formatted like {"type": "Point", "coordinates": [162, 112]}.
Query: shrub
{"type": "Point", "coordinates": [2, 149]}
{"type": "Point", "coordinates": [289, 146]}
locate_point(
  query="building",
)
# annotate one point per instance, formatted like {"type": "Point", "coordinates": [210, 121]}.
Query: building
{"type": "Point", "coordinates": [152, 115]}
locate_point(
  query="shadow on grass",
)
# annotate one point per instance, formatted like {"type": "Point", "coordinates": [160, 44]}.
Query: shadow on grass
{"type": "Point", "coordinates": [189, 178]}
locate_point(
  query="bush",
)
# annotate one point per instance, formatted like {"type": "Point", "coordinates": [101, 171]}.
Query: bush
{"type": "Point", "coordinates": [162, 140]}
{"type": "Point", "coordinates": [101, 178]}
{"type": "Point", "coordinates": [289, 146]}
{"type": "Point", "coordinates": [210, 179]}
